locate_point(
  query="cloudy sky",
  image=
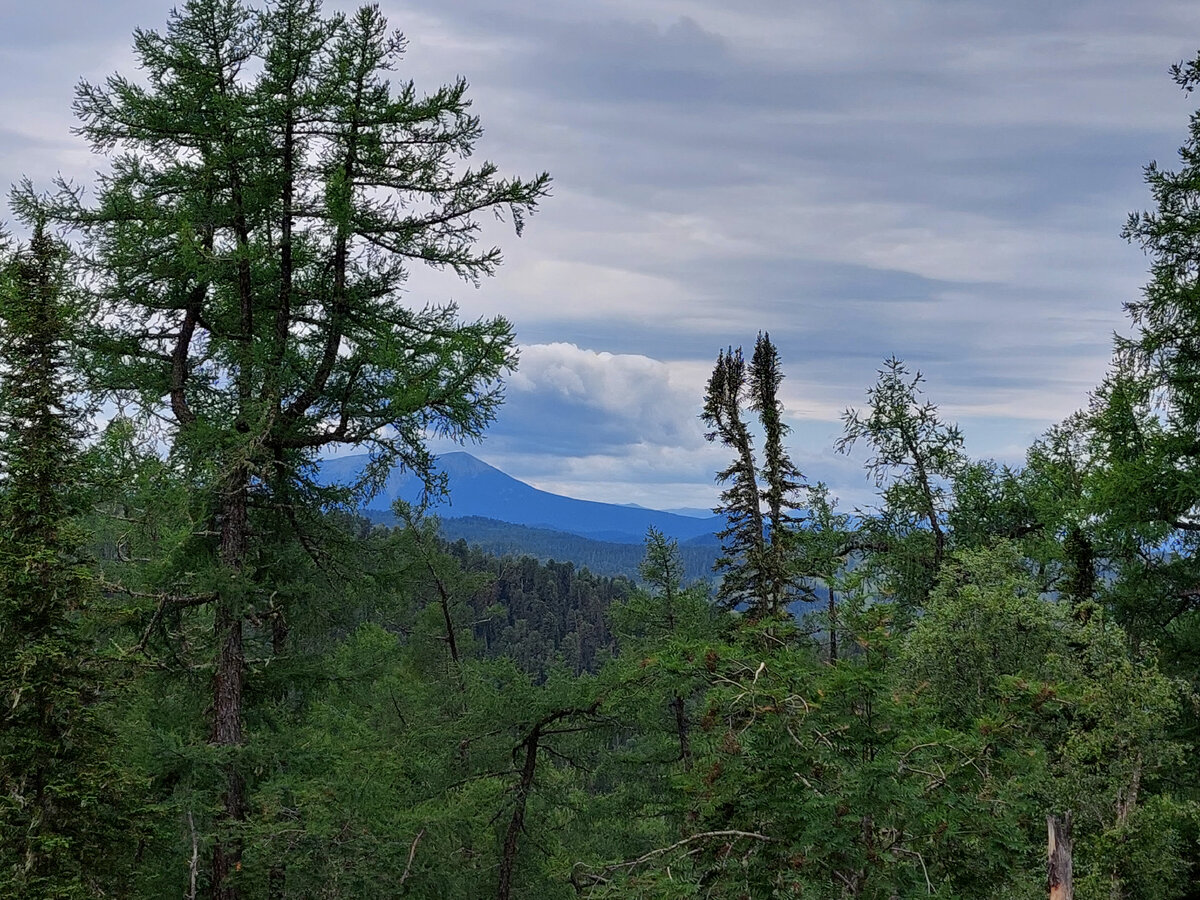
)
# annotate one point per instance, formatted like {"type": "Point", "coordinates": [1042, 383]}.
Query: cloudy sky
{"type": "Point", "coordinates": [942, 180]}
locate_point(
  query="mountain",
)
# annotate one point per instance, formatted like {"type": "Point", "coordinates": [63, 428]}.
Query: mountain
{"type": "Point", "coordinates": [692, 512]}
{"type": "Point", "coordinates": [480, 490]}
{"type": "Point", "coordinates": [689, 511]}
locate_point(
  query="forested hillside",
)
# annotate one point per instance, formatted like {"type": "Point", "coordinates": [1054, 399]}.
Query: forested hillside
{"type": "Point", "coordinates": [603, 557]}
{"type": "Point", "coordinates": [542, 616]}
{"type": "Point", "coordinates": [220, 681]}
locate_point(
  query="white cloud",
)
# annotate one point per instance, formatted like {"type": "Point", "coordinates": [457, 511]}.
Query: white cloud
{"type": "Point", "coordinates": [564, 395]}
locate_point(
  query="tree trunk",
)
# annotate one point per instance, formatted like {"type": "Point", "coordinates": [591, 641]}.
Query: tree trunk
{"type": "Point", "coordinates": [531, 745]}
{"type": "Point", "coordinates": [227, 732]}
{"type": "Point", "coordinates": [1127, 799]}
{"type": "Point", "coordinates": [1060, 876]}
{"type": "Point", "coordinates": [516, 824]}
{"type": "Point", "coordinates": [833, 648]}
{"type": "Point", "coordinates": [228, 684]}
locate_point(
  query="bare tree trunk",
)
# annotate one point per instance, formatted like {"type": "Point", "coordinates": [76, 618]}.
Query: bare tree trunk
{"type": "Point", "coordinates": [516, 824]}
{"type": "Point", "coordinates": [228, 684]}
{"type": "Point", "coordinates": [194, 865]}
{"type": "Point", "coordinates": [1060, 874]}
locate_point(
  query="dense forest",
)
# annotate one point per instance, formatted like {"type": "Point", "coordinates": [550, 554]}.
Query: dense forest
{"type": "Point", "coordinates": [218, 681]}
{"type": "Point", "coordinates": [603, 557]}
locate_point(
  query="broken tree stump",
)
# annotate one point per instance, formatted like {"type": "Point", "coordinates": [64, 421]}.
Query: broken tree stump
{"type": "Point", "coordinates": [1059, 857]}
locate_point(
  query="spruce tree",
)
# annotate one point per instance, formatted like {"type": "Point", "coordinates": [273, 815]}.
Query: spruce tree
{"type": "Point", "coordinates": [782, 481]}
{"type": "Point", "coordinates": [58, 800]}
{"type": "Point", "coordinates": [758, 566]}
{"type": "Point", "coordinates": [743, 540]}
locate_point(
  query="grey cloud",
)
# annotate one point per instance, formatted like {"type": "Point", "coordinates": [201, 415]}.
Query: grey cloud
{"type": "Point", "coordinates": [53, 23]}
{"type": "Point", "coordinates": [937, 179]}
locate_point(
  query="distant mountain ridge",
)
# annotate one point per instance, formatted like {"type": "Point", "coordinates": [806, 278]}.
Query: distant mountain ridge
{"type": "Point", "coordinates": [480, 490]}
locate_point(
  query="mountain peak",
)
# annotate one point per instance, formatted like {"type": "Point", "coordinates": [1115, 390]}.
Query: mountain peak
{"type": "Point", "coordinates": [479, 489]}
{"type": "Point", "coordinates": [463, 463]}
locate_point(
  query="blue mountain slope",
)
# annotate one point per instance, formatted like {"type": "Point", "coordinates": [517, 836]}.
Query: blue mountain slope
{"type": "Point", "coordinates": [477, 489]}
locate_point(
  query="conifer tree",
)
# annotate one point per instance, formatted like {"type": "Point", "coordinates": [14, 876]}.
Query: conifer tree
{"type": "Point", "coordinates": [664, 614]}
{"type": "Point", "coordinates": [782, 481]}
{"type": "Point", "coordinates": [826, 542]}
{"type": "Point", "coordinates": [58, 800]}
{"type": "Point", "coordinates": [1146, 487]}
{"type": "Point", "coordinates": [743, 537]}
{"type": "Point", "coordinates": [758, 567]}
{"type": "Point", "coordinates": [269, 190]}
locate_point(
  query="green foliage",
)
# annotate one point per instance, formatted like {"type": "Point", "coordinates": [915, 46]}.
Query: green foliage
{"type": "Point", "coordinates": [1142, 491]}
{"type": "Point", "coordinates": [984, 624]}
{"type": "Point", "coordinates": [1145, 488]}
{"type": "Point", "coordinates": [757, 568]}
{"type": "Point", "coordinates": [991, 650]}
{"type": "Point", "coordinates": [825, 543]}
{"type": "Point", "coordinates": [924, 761]}
{"type": "Point", "coordinates": [245, 690]}
{"type": "Point", "coordinates": [665, 607]}
{"type": "Point", "coordinates": [63, 807]}
{"type": "Point", "coordinates": [269, 189]}
{"type": "Point", "coordinates": [914, 457]}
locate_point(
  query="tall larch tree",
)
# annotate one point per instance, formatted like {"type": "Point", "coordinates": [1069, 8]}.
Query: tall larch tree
{"type": "Point", "coordinates": [270, 189]}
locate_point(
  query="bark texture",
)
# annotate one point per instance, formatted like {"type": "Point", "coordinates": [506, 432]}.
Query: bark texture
{"type": "Point", "coordinates": [1060, 875]}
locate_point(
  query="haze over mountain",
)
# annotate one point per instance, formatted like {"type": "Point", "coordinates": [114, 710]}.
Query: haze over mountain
{"type": "Point", "coordinates": [478, 489]}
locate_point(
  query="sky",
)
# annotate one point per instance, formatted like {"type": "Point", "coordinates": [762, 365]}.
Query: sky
{"type": "Point", "coordinates": [944, 181]}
